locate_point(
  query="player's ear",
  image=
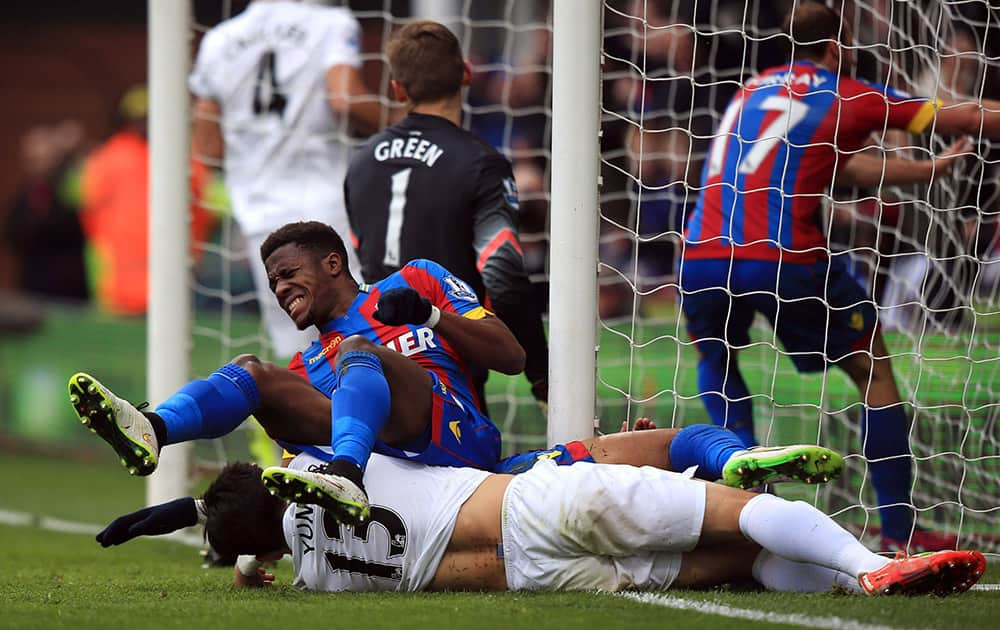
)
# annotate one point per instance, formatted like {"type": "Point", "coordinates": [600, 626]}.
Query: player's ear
{"type": "Point", "coordinates": [333, 264]}
{"type": "Point", "coordinates": [833, 55]}
{"type": "Point", "coordinates": [398, 91]}
{"type": "Point", "coordinates": [466, 74]}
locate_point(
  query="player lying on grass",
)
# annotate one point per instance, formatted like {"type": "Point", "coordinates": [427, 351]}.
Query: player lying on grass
{"type": "Point", "coordinates": [581, 527]}
{"type": "Point", "coordinates": [392, 358]}
{"type": "Point", "coordinates": [705, 450]}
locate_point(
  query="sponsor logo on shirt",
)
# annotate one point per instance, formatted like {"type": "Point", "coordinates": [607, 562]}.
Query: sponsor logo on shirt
{"type": "Point", "coordinates": [412, 342]}
{"type": "Point", "coordinates": [327, 349]}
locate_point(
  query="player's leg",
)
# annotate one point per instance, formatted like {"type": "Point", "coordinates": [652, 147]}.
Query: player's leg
{"type": "Point", "coordinates": [798, 532]}
{"type": "Point", "coordinates": [856, 345]}
{"type": "Point", "coordinates": [287, 406]}
{"type": "Point", "coordinates": [884, 436]}
{"type": "Point", "coordinates": [716, 453]}
{"type": "Point", "coordinates": [380, 395]}
{"type": "Point", "coordinates": [885, 444]}
{"type": "Point", "coordinates": [717, 320]}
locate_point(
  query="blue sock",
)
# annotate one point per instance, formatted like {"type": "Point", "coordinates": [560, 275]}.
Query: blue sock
{"type": "Point", "coordinates": [707, 446]}
{"type": "Point", "coordinates": [885, 433]}
{"type": "Point", "coordinates": [360, 406]}
{"type": "Point", "coordinates": [717, 373]}
{"type": "Point", "coordinates": [211, 407]}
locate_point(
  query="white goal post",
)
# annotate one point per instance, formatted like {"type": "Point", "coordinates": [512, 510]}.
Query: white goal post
{"type": "Point", "coordinates": [573, 231]}
{"type": "Point", "coordinates": [169, 318]}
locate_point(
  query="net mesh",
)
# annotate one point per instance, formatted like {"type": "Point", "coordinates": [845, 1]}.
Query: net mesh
{"type": "Point", "coordinates": [929, 255]}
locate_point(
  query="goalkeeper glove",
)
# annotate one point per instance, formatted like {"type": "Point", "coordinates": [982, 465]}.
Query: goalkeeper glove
{"type": "Point", "coordinates": [150, 521]}
{"type": "Point", "coordinates": [404, 305]}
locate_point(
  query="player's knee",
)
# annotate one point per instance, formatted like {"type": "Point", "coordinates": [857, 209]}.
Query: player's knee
{"type": "Point", "coordinates": [256, 367]}
{"type": "Point", "coordinates": [354, 343]}
{"type": "Point", "coordinates": [246, 361]}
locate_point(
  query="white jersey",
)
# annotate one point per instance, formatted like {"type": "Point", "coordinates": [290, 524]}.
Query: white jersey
{"type": "Point", "coordinates": [266, 69]}
{"type": "Point", "coordinates": [413, 512]}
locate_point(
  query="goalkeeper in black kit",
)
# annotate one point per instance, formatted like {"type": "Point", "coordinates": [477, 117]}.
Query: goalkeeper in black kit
{"type": "Point", "coordinates": [426, 188]}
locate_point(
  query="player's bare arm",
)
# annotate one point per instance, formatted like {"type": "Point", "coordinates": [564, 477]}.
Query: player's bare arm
{"type": "Point", "coordinates": [348, 96]}
{"type": "Point", "coordinates": [868, 171]}
{"type": "Point", "coordinates": [486, 341]}
{"type": "Point", "coordinates": [973, 118]}
{"type": "Point", "coordinates": [206, 134]}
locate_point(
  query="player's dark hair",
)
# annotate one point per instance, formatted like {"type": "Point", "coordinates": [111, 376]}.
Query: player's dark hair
{"type": "Point", "coordinates": [319, 238]}
{"type": "Point", "coordinates": [811, 26]}
{"type": "Point", "coordinates": [242, 516]}
{"type": "Point", "coordinates": [426, 59]}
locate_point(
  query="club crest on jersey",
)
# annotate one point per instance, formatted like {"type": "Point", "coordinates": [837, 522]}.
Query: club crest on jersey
{"type": "Point", "coordinates": [510, 193]}
{"type": "Point", "coordinates": [459, 289]}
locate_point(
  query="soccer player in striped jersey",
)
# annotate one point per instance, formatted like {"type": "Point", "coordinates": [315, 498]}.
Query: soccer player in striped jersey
{"type": "Point", "coordinates": [388, 374]}
{"type": "Point", "coordinates": [754, 240]}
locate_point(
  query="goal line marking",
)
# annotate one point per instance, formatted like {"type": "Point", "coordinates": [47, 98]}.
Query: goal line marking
{"type": "Point", "coordinates": [795, 619]}
{"type": "Point", "coordinates": [49, 523]}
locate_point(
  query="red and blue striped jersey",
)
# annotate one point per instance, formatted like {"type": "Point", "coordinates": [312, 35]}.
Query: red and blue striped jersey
{"type": "Point", "coordinates": [434, 353]}
{"type": "Point", "coordinates": [773, 158]}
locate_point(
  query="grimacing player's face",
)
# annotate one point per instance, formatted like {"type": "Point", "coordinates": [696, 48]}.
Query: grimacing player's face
{"type": "Point", "coordinates": [299, 281]}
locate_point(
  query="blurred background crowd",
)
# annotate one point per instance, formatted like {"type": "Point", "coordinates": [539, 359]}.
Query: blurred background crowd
{"type": "Point", "coordinates": [72, 225]}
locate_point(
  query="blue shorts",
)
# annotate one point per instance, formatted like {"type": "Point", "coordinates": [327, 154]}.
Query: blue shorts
{"type": "Point", "coordinates": [824, 314]}
{"type": "Point", "coordinates": [458, 435]}
{"type": "Point", "coordinates": [561, 454]}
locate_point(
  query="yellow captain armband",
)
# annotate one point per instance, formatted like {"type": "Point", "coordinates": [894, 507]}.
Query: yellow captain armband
{"type": "Point", "coordinates": [924, 116]}
{"type": "Point", "coordinates": [478, 313]}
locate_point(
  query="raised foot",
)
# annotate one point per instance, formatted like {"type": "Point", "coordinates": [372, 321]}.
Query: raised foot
{"type": "Point", "coordinates": [937, 572]}
{"type": "Point", "coordinates": [340, 497]}
{"type": "Point", "coordinates": [116, 422]}
{"type": "Point", "coordinates": [804, 463]}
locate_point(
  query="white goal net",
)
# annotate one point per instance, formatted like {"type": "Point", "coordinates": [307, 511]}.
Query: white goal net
{"type": "Point", "coordinates": [929, 255]}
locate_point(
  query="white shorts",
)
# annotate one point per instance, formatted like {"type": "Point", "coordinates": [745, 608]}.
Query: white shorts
{"type": "Point", "coordinates": [598, 526]}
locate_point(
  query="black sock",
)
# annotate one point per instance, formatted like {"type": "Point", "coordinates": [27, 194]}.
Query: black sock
{"type": "Point", "coordinates": [347, 470]}
{"type": "Point", "coordinates": [159, 427]}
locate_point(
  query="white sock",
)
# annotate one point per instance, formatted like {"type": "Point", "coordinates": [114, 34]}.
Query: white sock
{"type": "Point", "coordinates": [799, 532]}
{"type": "Point", "coordinates": [780, 574]}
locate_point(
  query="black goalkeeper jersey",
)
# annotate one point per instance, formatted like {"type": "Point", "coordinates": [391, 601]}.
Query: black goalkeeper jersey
{"type": "Point", "coordinates": [426, 188]}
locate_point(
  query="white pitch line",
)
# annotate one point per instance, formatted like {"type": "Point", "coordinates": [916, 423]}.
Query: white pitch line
{"type": "Point", "coordinates": [711, 608]}
{"type": "Point", "coordinates": [26, 519]}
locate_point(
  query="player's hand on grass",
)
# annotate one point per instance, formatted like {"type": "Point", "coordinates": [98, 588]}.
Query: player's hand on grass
{"type": "Point", "coordinates": [150, 521]}
{"type": "Point", "coordinates": [945, 161]}
{"type": "Point", "coordinates": [402, 305]}
{"type": "Point", "coordinates": [641, 424]}
{"type": "Point", "coordinates": [260, 579]}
